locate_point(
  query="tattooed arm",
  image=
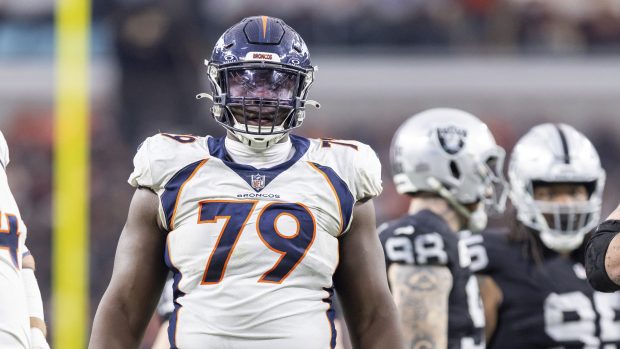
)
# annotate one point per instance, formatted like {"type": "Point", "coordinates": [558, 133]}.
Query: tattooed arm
{"type": "Point", "coordinates": [421, 296]}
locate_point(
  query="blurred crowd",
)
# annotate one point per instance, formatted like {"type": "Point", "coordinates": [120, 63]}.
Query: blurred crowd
{"type": "Point", "coordinates": [553, 26]}
{"type": "Point", "coordinates": [158, 47]}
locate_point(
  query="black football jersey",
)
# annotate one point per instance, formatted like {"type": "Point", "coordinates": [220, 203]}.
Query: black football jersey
{"type": "Point", "coordinates": [426, 239]}
{"type": "Point", "coordinates": [548, 304]}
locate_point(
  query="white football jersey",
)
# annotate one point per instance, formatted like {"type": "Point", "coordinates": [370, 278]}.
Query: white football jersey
{"type": "Point", "coordinates": [14, 318]}
{"type": "Point", "coordinates": [253, 251]}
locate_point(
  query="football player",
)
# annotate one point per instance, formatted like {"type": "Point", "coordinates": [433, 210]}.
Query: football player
{"type": "Point", "coordinates": [535, 292]}
{"type": "Point", "coordinates": [603, 255]}
{"type": "Point", "coordinates": [258, 227]}
{"type": "Point", "coordinates": [22, 322]}
{"type": "Point", "coordinates": [447, 162]}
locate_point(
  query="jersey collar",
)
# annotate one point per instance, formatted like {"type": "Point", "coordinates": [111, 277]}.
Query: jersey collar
{"type": "Point", "coordinates": [257, 178]}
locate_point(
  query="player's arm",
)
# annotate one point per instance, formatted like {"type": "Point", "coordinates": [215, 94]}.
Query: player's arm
{"type": "Point", "coordinates": [137, 280]}
{"type": "Point", "coordinates": [38, 330]}
{"type": "Point", "coordinates": [361, 283]}
{"type": "Point", "coordinates": [492, 297]}
{"type": "Point", "coordinates": [603, 255]}
{"type": "Point", "coordinates": [421, 295]}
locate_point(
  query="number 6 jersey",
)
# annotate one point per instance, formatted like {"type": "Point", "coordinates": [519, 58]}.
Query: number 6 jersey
{"type": "Point", "coordinates": [253, 251]}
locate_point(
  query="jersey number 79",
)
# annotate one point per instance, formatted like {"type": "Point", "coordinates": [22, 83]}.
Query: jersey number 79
{"type": "Point", "coordinates": [291, 247]}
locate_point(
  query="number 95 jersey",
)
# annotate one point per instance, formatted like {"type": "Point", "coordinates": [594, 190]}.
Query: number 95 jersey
{"type": "Point", "coordinates": [545, 304]}
{"type": "Point", "coordinates": [253, 250]}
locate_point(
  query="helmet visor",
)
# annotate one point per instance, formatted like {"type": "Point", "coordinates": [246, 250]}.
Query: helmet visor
{"type": "Point", "coordinates": [271, 84]}
{"type": "Point", "coordinates": [261, 99]}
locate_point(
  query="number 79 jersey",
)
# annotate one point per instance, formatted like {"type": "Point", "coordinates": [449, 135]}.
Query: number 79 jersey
{"type": "Point", "coordinates": [253, 251]}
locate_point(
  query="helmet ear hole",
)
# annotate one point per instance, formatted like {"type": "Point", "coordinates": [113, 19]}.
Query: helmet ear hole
{"type": "Point", "coordinates": [454, 168]}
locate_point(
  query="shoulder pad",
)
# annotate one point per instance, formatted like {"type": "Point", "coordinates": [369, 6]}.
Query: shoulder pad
{"type": "Point", "coordinates": [160, 156]}
{"type": "Point", "coordinates": [355, 162]}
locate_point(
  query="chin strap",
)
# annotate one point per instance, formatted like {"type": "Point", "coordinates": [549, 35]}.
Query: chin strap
{"type": "Point", "coordinates": [476, 221]}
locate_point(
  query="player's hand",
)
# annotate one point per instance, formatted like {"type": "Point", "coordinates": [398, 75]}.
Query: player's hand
{"type": "Point", "coordinates": [37, 339]}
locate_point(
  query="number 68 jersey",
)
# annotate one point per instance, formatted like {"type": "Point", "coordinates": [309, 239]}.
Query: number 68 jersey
{"type": "Point", "coordinates": [253, 251]}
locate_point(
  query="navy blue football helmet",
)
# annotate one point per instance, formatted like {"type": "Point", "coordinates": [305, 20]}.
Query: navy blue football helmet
{"type": "Point", "coordinates": [260, 73]}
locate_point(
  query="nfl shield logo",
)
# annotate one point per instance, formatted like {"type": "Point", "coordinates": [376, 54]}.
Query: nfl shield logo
{"type": "Point", "coordinates": [258, 181]}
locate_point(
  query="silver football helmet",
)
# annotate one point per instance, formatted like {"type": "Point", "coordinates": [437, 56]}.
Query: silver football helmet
{"type": "Point", "coordinates": [451, 153]}
{"type": "Point", "coordinates": [548, 154]}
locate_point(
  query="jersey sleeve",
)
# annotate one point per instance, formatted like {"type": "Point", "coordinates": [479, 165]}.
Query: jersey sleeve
{"type": "Point", "coordinates": [4, 152]}
{"type": "Point", "coordinates": [353, 162]}
{"type": "Point", "coordinates": [141, 175]}
{"type": "Point", "coordinates": [367, 174]}
{"type": "Point", "coordinates": [160, 156]}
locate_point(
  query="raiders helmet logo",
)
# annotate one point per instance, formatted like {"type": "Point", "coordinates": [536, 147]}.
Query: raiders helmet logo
{"type": "Point", "coordinates": [451, 138]}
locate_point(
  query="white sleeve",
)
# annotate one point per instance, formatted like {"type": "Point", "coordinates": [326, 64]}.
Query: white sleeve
{"type": "Point", "coordinates": [4, 151]}
{"type": "Point", "coordinates": [141, 175]}
{"type": "Point", "coordinates": [159, 157]}
{"type": "Point", "coordinates": [368, 176]}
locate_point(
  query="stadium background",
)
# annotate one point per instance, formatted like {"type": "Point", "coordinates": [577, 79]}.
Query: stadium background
{"type": "Point", "coordinates": [514, 63]}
